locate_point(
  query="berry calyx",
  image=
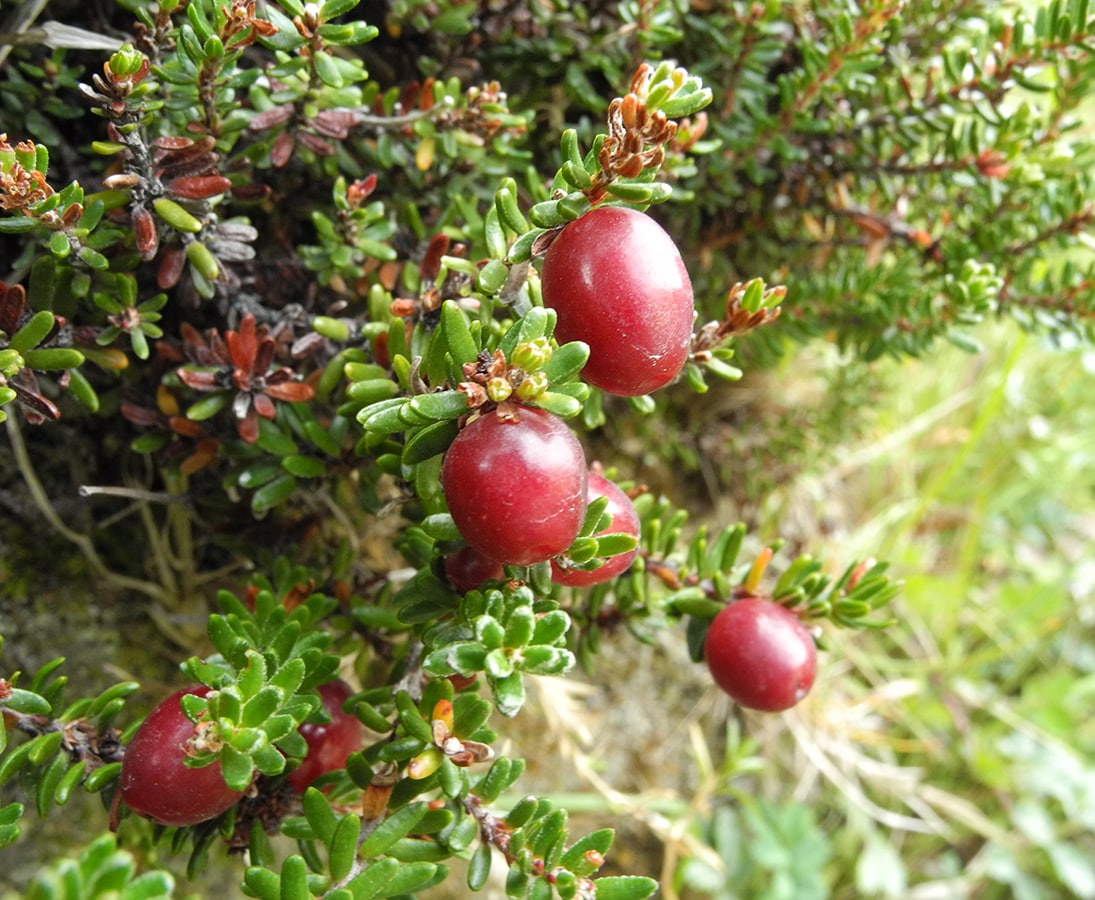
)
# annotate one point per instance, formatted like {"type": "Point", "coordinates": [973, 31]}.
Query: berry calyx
{"type": "Point", "coordinates": [761, 654]}
{"type": "Point", "coordinates": [617, 281]}
{"type": "Point", "coordinates": [156, 782]}
{"type": "Point", "coordinates": [516, 486]}
{"type": "Point", "coordinates": [625, 520]}
{"type": "Point", "coordinates": [329, 743]}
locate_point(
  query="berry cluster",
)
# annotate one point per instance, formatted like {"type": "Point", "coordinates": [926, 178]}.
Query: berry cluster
{"type": "Point", "coordinates": [157, 783]}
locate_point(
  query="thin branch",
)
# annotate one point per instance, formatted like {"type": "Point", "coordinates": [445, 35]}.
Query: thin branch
{"type": "Point", "coordinates": [82, 542]}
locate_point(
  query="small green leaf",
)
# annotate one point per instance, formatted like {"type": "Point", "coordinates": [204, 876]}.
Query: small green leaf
{"type": "Point", "coordinates": [397, 825]}
{"type": "Point", "coordinates": [237, 768]}
{"type": "Point", "coordinates": [625, 887]}
{"type": "Point", "coordinates": [492, 276]}
{"type": "Point", "coordinates": [262, 883]}
{"type": "Point", "coordinates": [270, 495]}
{"type": "Point", "coordinates": [320, 816]}
{"type": "Point", "coordinates": [53, 358]}
{"type": "Point", "coordinates": [294, 879]}
{"type": "Point", "coordinates": [102, 776]}
{"type": "Point", "coordinates": [371, 882]}
{"type": "Point", "coordinates": [441, 405]}
{"type": "Point", "coordinates": [178, 218]}
{"type": "Point", "coordinates": [27, 702]}
{"type": "Point", "coordinates": [342, 847]}
{"type": "Point", "coordinates": [33, 332]}
{"type": "Point", "coordinates": [479, 867]}
{"type": "Point", "coordinates": [304, 466]}
{"type": "Point", "coordinates": [429, 441]}
{"type": "Point", "coordinates": [327, 69]}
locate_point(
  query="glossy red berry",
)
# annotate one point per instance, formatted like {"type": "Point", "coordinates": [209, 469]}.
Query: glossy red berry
{"type": "Point", "coordinates": [761, 654]}
{"type": "Point", "coordinates": [617, 281]}
{"type": "Point", "coordinates": [155, 780]}
{"type": "Point", "coordinates": [329, 743]}
{"type": "Point", "coordinates": [467, 569]}
{"type": "Point", "coordinates": [624, 520]}
{"type": "Point", "coordinates": [516, 488]}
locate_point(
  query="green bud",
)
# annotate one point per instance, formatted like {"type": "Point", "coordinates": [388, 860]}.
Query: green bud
{"type": "Point", "coordinates": [532, 355]}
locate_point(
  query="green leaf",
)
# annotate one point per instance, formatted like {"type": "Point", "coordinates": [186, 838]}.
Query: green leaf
{"type": "Point", "coordinates": [321, 818]}
{"type": "Point", "coordinates": [270, 495]}
{"type": "Point", "coordinates": [53, 358]}
{"type": "Point", "coordinates": [566, 361]}
{"type": "Point", "coordinates": [411, 877]}
{"type": "Point", "coordinates": [479, 867]}
{"type": "Point", "coordinates": [304, 466]}
{"type": "Point", "coordinates": [342, 847]}
{"type": "Point", "coordinates": [294, 879]}
{"type": "Point", "coordinates": [48, 783]}
{"type": "Point", "coordinates": [262, 883]}
{"type": "Point", "coordinates": [371, 882]}
{"type": "Point", "coordinates": [625, 887]}
{"type": "Point", "coordinates": [442, 405]}
{"type": "Point", "coordinates": [461, 345]}
{"type": "Point", "coordinates": [509, 693]}
{"type": "Point", "coordinates": [237, 768]}
{"type": "Point", "coordinates": [429, 441]}
{"type": "Point", "coordinates": [27, 702]}
{"type": "Point", "coordinates": [575, 857]}
{"type": "Point", "coordinates": [33, 332]}
{"type": "Point", "coordinates": [397, 825]}
{"type": "Point", "coordinates": [327, 69]}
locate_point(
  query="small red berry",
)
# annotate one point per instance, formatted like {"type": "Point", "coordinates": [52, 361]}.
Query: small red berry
{"type": "Point", "coordinates": [156, 782]}
{"type": "Point", "coordinates": [617, 281]}
{"type": "Point", "coordinates": [329, 743]}
{"type": "Point", "coordinates": [516, 487]}
{"type": "Point", "coordinates": [761, 654]}
{"type": "Point", "coordinates": [624, 519]}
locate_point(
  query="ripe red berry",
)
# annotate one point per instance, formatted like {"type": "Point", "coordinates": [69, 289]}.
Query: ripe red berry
{"type": "Point", "coordinates": [761, 654]}
{"type": "Point", "coordinates": [156, 782]}
{"type": "Point", "coordinates": [516, 488]}
{"type": "Point", "coordinates": [617, 281]}
{"type": "Point", "coordinates": [331, 742]}
{"type": "Point", "coordinates": [467, 569]}
{"type": "Point", "coordinates": [624, 519]}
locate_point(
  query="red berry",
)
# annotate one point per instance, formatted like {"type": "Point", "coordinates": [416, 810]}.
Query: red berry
{"type": "Point", "coordinates": [467, 569]}
{"type": "Point", "coordinates": [617, 281]}
{"type": "Point", "coordinates": [761, 654]}
{"type": "Point", "coordinates": [624, 519]}
{"type": "Point", "coordinates": [516, 488]}
{"type": "Point", "coordinates": [156, 782]}
{"type": "Point", "coordinates": [329, 743]}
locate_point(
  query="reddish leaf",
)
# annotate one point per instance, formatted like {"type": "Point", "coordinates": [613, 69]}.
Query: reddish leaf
{"type": "Point", "coordinates": [199, 379]}
{"type": "Point", "coordinates": [431, 262]}
{"type": "Point", "coordinates": [147, 237]}
{"type": "Point", "coordinates": [201, 187]}
{"type": "Point", "coordinates": [171, 268]}
{"type": "Point", "coordinates": [291, 391]}
{"type": "Point", "coordinates": [13, 299]}
{"type": "Point", "coordinates": [139, 415]}
{"type": "Point", "coordinates": [185, 427]}
{"type": "Point", "coordinates": [264, 406]}
{"type": "Point", "coordinates": [316, 144]}
{"type": "Point", "coordinates": [242, 346]}
{"type": "Point", "coordinates": [248, 426]}
{"type": "Point", "coordinates": [268, 118]}
{"type": "Point", "coordinates": [282, 151]}
{"type": "Point", "coordinates": [205, 453]}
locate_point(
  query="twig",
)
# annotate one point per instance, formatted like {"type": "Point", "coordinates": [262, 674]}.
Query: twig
{"type": "Point", "coordinates": [81, 541]}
